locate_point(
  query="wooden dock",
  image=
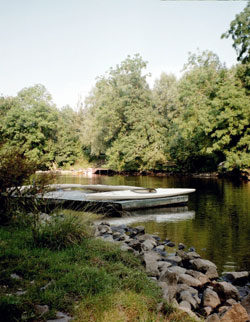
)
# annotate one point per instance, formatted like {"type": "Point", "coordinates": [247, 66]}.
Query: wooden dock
{"type": "Point", "coordinates": [78, 199]}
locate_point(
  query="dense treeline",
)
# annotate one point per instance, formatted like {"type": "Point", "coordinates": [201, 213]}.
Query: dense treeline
{"type": "Point", "coordinates": [200, 122]}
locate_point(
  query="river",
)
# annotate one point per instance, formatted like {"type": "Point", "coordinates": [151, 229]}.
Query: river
{"type": "Point", "coordinates": [216, 221]}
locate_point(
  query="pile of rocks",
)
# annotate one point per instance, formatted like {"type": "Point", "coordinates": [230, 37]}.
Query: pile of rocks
{"type": "Point", "coordinates": [187, 281]}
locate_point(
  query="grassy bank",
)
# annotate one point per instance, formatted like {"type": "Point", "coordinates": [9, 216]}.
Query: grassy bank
{"type": "Point", "coordinates": [91, 280]}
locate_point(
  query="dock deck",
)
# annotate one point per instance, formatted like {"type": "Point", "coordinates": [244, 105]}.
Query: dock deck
{"type": "Point", "coordinates": [79, 200]}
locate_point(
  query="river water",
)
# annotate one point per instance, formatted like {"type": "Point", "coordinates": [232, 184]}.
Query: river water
{"type": "Point", "coordinates": [216, 221]}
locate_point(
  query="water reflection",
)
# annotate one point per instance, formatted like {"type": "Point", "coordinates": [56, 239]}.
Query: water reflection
{"type": "Point", "coordinates": [158, 215]}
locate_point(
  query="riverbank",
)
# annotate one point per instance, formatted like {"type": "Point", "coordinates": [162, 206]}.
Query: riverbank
{"type": "Point", "coordinates": [86, 279]}
{"type": "Point", "coordinates": [245, 175]}
{"type": "Point", "coordinates": [122, 274]}
{"type": "Point", "coordinates": [188, 282]}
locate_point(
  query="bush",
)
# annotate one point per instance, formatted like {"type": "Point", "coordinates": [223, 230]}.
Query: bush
{"type": "Point", "coordinates": [62, 231]}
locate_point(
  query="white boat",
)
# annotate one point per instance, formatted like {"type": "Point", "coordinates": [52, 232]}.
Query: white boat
{"type": "Point", "coordinates": [139, 193]}
{"type": "Point", "coordinates": [92, 187]}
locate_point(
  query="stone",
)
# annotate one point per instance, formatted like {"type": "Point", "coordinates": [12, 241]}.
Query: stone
{"type": "Point", "coordinates": [192, 255]}
{"type": "Point", "coordinates": [210, 298]}
{"type": "Point", "coordinates": [148, 245]}
{"type": "Point", "coordinates": [202, 265]}
{"type": "Point", "coordinates": [230, 302]}
{"type": "Point", "coordinates": [189, 280]}
{"type": "Point", "coordinates": [170, 244]}
{"type": "Point", "coordinates": [15, 276]}
{"type": "Point", "coordinates": [213, 318]}
{"type": "Point", "coordinates": [187, 296]}
{"type": "Point", "coordinates": [206, 311]}
{"type": "Point", "coordinates": [235, 313]}
{"type": "Point", "coordinates": [125, 248]}
{"type": "Point", "coordinates": [61, 317]}
{"type": "Point", "coordinates": [198, 275]}
{"type": "Point", "coordinates": [140, 229]}
{"type": "Point", "coordinates": [104, 229]}
{"type": "Point", "coordinates": [174, 259]}
{"type": "Point", "coordinates": [212, 273]}
{"type": "Point", "coordinates": [160, 248]}
{"type": "Point", "coordinates": [150, 259]}
{"type": "Point", "coordinates": [179, 270]}
{"type": "Point", "coordinates": [236, 278]}
{"type": "Point", "coordinates": [190, 313]}
{"type": "Point", "coordinates": [246, 303]}
{"type": "Point", "coordinates": [135, 244]}
{"type": "Point", "coordinates": [185, 304]}
{"type": "Point", "coordinates": [171, 278]}
{"type": "Point", "coordinates": [41, 309]}
{"type": "Point", "coordinates": [146, 237]}
{"type": "Point", "coordinates": [163, 265]}
{"type": "Point", "coordinates": [181, 246]}
{"type": "Point", "coordinates": [226, 290]}
{"type": "Point", "coordinates": [184, 287]}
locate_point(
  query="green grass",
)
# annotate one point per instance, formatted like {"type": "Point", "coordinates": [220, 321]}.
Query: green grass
{"type": "Point", "coordinates": [92, 280]}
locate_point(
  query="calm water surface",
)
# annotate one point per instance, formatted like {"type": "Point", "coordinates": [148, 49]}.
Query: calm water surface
{"type": "Point", "coordinates": [216, 220]}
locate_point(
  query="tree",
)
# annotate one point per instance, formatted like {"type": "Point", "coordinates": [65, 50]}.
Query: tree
{"type": "Point", "coordinates": [31, 124]}
{"type": "Point", "coordinates": [240, 33]}
{"type": "Point", "coordinates": [228, 124]}
{"type": "Point", "coordinates": [121, 122]}
{"type": "Point", "coordinates": [196, 89]}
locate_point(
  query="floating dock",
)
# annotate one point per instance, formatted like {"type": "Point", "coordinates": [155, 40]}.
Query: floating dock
{"type": "Point", "coordinates": [78, 199]}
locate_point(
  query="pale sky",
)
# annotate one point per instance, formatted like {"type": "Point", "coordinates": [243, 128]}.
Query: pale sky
{"type": "Point", "coordinates": [66, 44]}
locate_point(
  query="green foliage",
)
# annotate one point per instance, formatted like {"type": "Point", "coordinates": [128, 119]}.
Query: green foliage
{"type": "Point", "coordinates": [240, 33]}
{"type": "Point", "coordinates": [121, 120]}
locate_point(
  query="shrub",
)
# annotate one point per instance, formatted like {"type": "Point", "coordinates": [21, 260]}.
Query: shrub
{"type": "Point", "coordinates": [62, 231]}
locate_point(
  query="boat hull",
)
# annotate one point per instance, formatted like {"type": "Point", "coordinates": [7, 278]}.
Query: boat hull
{"type": "Point", "coordinates": [137, 194]}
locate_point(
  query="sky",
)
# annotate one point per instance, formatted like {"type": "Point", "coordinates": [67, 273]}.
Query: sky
{"type": "Point", "coordinates": [66, 44]}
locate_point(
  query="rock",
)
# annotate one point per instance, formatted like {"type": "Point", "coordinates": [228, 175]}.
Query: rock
{"type": "Point", "coordinates": [192, 255]}
{"type": "Point", "coordinates": [148, 245]}
{"type": "Point", "coordinates": [185, 304]}
{"type": "Point", "coordinates": [179, 270]}
{"type": "Point", "coordinates": [170, 244]}
{"type": "Point", "coordinates": [198, 275]}
{"type": "Point", "coordinates": [104, 229]}
{"type": "Point", "coordinates": [226, 290]}
{"type": "Point", "coordinates": [230, 302]}
{"type": "Point", "coordinates": [206, 311]}
{"type": "Point", "coordinates": [41, 309]}
{"type": "Point", "coordinates": [146, 237]}
{"type": "Point", "coordinates": [187, 296]}
{"type": "Point", "coordinates": [246, 303]}
{"type": "Point", "coordinates": [160, 248]}
{"type": "Point", "coordinates": [210, 298]}
{"type": "Point", "coordinates": [19, 293]}
{"type": "Point", "coordinates": [174, 259]}
{"type": "Point", "coordinates": [213, 318]}
{"type": "Point", "coordinates": [61, 317]}
{"type": "Point", "coordinates": [140, 229]}
{"type": "Point", "coordinates": [181, 246]}
{"type": "Point", "coordinates": [189, 280]}
{"type": "Point", "coordinates": [135, 244]}
{"type": "Point", "coordinates": [108, 238]}
{"type": "Point", "coordinates": [236, 278]}
{"type": "Point", "coordinates": [235, 313]}
{"type": "Point", "coordinates": [184, 287]}
{"type": "Point", "coordinates": [202, 265]}
{"type": "Point", "coordinates": [163, 265]}
{"type": "Point", "coordinates": [125, 248]}
{"type": "Point", "coordinates": [150, 259]}
{"type": "Point", "coordinates": [15, 276]}
{"type": "Point", "coordinates": [171, 278]}
{"type": "Point", "coordinates": [212, 273]}
{"type": "Point", "coordinates": [190, 313]}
